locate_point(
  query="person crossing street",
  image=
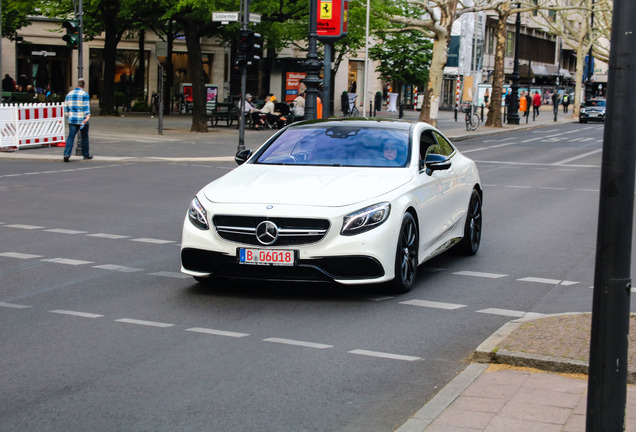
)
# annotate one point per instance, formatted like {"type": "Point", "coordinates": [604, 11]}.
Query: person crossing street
{"type": "Point", "coordinates": [78, 111]}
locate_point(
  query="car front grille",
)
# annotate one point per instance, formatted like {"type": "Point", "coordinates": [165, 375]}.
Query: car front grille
{"type": "Point", "coordinates": [291, 231]}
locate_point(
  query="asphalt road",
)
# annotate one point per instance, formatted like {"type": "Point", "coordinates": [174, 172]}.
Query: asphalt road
{"type": "Point", "coordinates": [101, 332]}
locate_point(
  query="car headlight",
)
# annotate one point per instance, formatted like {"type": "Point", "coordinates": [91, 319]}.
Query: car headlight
{"type": "Point", "coordinates": [365, 219]}
{"type": "Point", "coordinates": [197, 215]}
{"type": "Point", "coordinates": [582, 110]}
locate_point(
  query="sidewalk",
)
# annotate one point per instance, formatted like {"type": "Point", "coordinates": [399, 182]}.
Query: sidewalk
{"type": "Point", "coordinates": [487, 395]}
{"type": "Point", "coordinates": [135, 137]}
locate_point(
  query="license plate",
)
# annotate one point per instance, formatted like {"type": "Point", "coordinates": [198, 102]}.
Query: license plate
{"type": "Point", "coordinates": [273, 257]}
{"type": "Point", "coordinates": [593, 114]}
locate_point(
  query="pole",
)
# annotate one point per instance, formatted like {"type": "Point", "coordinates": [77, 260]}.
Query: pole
{"type": "Point", "coordinates": [590, 72]}
{"type": "Point", "coordinates": [607, 385]}
{"type": "Point", "coordinates": [312, 64]}
{"type": "Point", "coordinates": [326, 90]}
{"type": "Point", "coordinates": [245, 16]}
{"type": "Point", "coordinates": [366, 63]}
{"type": "Point", "coordinates": [160, 96]}
{"type": "Point", "coordinates": [80, 44]}
{"type": "Point", "coordinates": [513, 112]}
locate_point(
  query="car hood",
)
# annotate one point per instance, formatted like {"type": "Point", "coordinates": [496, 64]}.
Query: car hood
{"type": "Point", "coordinates": [304, 185]}
{"type": "Point", "coordinates": [594, 109]}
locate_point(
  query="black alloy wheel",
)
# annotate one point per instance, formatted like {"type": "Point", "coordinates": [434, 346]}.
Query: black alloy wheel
{"type": "Point", "coordinates": [406, 257]}
{"type": "Point", "coordinates": [469, 245]}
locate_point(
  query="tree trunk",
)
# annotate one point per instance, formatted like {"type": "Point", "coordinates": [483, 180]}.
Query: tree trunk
{"type": "Point", "coordinates": [430, 105]}
{"type": "Point", "coordinates": [494, 109]}
{"type": "Point", "coordinates": [111, 39]}
{"type": "Point", "coordinates": [580, 61]}
{"type": "Point", "coordinates": [195, 64]}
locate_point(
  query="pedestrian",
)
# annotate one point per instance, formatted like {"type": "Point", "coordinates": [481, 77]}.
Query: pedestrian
{"type": "Point", "coordinates": [555, 104]}
{"type": "Point", "coordinates": [249, 107]}
{"type": "Point", "coordinates": [536, 103]}
{"type": "Point", "coordinates": [8, 84]}
{"type": "Point", "coordinates": [523, 104]}
{"type": "Point", "coordinates": [508, 102]}
{"type": "Point", "coordinates": [78, 111]}
{"type": "Point", "coordinates": [566, 103]}
{"type": "Point", "coordinates": [299, 107]}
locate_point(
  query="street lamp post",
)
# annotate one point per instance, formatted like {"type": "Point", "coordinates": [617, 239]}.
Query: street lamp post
{"type": "Point", "coordinates": [590, 61]}
{"type": "Point", "coordinates": [313, 65]}
{"type": "Point", "coordinates": [513, 112]}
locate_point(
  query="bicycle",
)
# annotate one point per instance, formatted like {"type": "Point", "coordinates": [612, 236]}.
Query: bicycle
{"type": "Point", "coordinates": [472, 120]}
{"type": "Point", "coordinates": [353, 110]}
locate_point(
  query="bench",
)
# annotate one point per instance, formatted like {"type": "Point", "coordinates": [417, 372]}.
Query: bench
{"type": "Point", "coordinates": [227, 112]}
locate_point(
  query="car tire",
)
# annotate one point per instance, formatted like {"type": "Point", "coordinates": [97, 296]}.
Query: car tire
{"type": "Point", "coordinates": [406, 256]}
{"type": "Point", "coordinates": [469, 244]}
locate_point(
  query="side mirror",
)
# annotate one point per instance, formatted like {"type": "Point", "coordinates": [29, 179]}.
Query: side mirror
{"type": "Point", "coordinates": [436, 162]}
{"type": "Point", "coordinates": [242, 156]}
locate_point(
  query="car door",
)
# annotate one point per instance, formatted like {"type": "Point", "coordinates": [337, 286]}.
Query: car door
{"type": "Point", "coordinates": [440, 208]}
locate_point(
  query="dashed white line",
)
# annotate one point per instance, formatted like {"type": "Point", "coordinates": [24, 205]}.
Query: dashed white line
{"type": "Point", "coordinates": [540, 280]}
{"type": "Point", "coordinates": [480, 274]}
{"type": "Point", "coordinates": [174, 275]}
{"type": "Point", "coordinates": [217, 332]}
{"type": "Point", "coordinates": [25, 227]}
{"type": "Point", "coordinates": [384, 355]}
{"type": "Point", "coordinates": [298, 343]}
{"type": "Point", "coordinates": [108, 236]}
{"type": "Point", "coordinates": [67, 261]}
{"type": "Point", "coordinates": [118, 268]}
{"type": "Point", "coordinates": [14, 306]}
{"type": "Point", "coordinates": [150, 240]}
{"type": "Point", "coordinates": [65, 231]}
{"type": "Point", "coordinates": [144, 323]}
{"type": "Point", "coordinates": [581, 156]}
{"type": "Point", "coordinates": [510, 313]}
{"type": "Point", "coordinates": [433, 304]}
{"type": "Point", "coordinates": [20, 255]}
{"type": "Point", "coordinates": [76, 313]}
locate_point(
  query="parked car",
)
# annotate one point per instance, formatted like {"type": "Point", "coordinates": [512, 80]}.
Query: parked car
{"type": "Point", "coordinates": [592, 110]}
{"type": "Point", "coordinates": [350, 201]}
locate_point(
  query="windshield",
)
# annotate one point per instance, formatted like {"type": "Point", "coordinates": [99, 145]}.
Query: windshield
{"type": "Point", "coordinates": [595, 103]}
{"type": "Point", "coordinates": [341, 145]}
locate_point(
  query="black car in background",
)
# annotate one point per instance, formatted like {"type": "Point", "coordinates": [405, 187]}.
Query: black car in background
{"type": "Point", "coordinates": [592, 110]}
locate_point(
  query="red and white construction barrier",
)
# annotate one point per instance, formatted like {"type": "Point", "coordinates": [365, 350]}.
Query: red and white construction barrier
{"type": "Point", "coordinates": [32, 125]}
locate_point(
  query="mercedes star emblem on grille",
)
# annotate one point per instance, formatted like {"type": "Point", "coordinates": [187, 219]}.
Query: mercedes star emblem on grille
{"type": "Point", "coordinates": [267, 232]}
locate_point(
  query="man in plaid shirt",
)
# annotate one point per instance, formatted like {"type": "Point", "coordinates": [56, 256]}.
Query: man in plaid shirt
{"type": "Point", "coordinates": [78, 113]}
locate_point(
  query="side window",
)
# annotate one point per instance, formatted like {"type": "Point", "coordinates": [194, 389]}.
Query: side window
{"type": "Point", "coordinates": [443, 147]}
{"type": "Point", "coordinates": [427, 142]}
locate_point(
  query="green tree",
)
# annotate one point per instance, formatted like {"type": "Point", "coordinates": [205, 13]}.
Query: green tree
{"type": "Point", "coordinates": [404, 57]}
{"type": "Point", "coordinates": [15, 15]}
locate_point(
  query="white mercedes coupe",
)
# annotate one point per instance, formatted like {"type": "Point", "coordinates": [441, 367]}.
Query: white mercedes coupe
{"type": "Point", "coordinates": [350, 201]}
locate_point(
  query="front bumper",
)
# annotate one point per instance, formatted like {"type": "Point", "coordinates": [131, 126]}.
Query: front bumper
{"type": "Point", "coordinates": [368, 257]}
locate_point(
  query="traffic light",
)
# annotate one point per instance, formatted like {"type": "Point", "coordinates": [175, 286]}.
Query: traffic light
{"type": "Point", "coordinates": [71, 37]}
{"type": "Point", "coordinates": [253, 48]}
{"type": "Point", "coordinates": [243, 44]}
{"type": "Point", "coordinates": [248, 48]}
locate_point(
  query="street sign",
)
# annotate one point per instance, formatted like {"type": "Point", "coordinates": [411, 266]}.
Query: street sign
{"type": "Point", "coordinates": [225, 16]}
{"type": "Point", "coordinates": [255, 18]}
{"type": "Point", "coordinates": [332, 18]}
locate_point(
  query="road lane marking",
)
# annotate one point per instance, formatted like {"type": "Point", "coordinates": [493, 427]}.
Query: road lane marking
{"type": "Point", "coordinates": [174, 275]}
{"type": "Point", "coordinates": [67, 261]}
{"type": "Point", "coordinates": [217, 332]}
{"type": "Point", "coordinates": [510, 313]}
{"type": "Point", "coordinates": [569, 283]}
{"type": "Point", "coordinates": [298, 343]}
{"type": "Point", "coordinates": [20, 255]}
{"type": "Point", "coordinates": [65, 231]}
{"type": "Point", "coordinates": [150, 240]}
{"type": "Point", "coordinates": [24, 227]}
{"type": "Point", "coordinates": [480, 274]}
{"type": "Point", "coordinates": [14, 306]}
{"type": "Point", "coordinates": [118, 268]}
{"type": "Point", "coordinates": [433, 304]}
{"type": "Point", "coordinates": [384, 355]}
{"type": "Point", "coordinates": [540, 280]}
{"type": "Point", "coordinates": [144, 323]}
{"type": "Point", "coordinates": [581, 156]}
{"type": "Point", "coordinates": [107, 236]}
{"type": "Point", "coordinates": [75, 313]}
